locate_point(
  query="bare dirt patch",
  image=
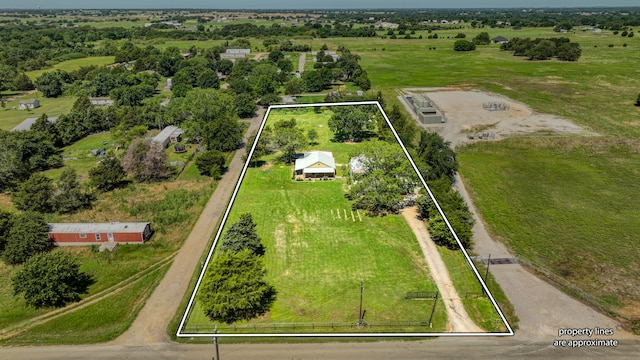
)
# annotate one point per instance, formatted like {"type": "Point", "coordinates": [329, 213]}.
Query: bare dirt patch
{"type": "Point", "coordinates": [468, 119]}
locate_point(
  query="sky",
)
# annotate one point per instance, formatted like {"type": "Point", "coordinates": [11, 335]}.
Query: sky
{"type": "Point", "coordinates": [306, 4]}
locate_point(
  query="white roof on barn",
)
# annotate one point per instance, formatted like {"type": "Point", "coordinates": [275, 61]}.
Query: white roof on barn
{"type": "Point", "coordinates": [313, 157]}
{"type": "Point", "coordinates": [28, 123]}
{"type": "Point", "coordinates": [84, 228]}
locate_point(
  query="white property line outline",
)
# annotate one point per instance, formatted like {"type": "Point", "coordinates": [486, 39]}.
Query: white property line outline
{"type": "Point", "coordinates": [424, 183]}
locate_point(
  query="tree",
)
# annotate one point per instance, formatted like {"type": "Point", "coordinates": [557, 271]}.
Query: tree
{"type": "Point", "coordinates": [293, 87]}
{"type": "Point", "coordinates": [436, 156]}
{"type": "Point", "coordinates": [269, 99]}
{"type": "Point", "coordinates": [350, 123]}
{"type": "Point", "coordinates": [210, 163]}
{"type": "Point", "coordinates": [50, 279]}
{"type": "Point", "coordinates": [241, 236]}
{"type": "Point", "coordinates": [463, 45]}
{"type": "Point", "coordinates": [246, 105]}
{"type": "Point", "coordinates": [208, 79]}
{"type": "Point", "coordinates": [288, 138]}
{"type": "Point", "coordinates": [234, 288]}
{"type": "Point", "coordinates": [543, 50]}
{"type": "Point", "coordinates": [482, 39]}
{"type": "Point", "coordinates": [34, 194]}
{"type": "Point", "coordinates": [22, 83]}
{"type": "Point", "coordinates": [276, 56]}
{"type": "Point", "coordinates": [569, 52]}
{"type": "Point", "coordinates": [145, 160]}
{"type": "Point", "coordinates": [28, 236]}
{"type": "Point", "coordinates": [5, 227]}
{"type": "Point", "coordinates": [109, 173]}
{"type": "Point", "coordinates": [68, 196]}
{"type": "Point", "coordinates": [50, 84]}
{"type": "Point", "coordinates": [312, 134]}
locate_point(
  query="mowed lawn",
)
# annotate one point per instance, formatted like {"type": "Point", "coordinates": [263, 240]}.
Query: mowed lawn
{"type": "Point", "coordinates": [316, 256]}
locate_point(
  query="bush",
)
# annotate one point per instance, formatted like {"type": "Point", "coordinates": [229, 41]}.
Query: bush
{"type": "Point", "coordinates": [463, 45]}
{"type": "Point", "coordinates": [210, 163]}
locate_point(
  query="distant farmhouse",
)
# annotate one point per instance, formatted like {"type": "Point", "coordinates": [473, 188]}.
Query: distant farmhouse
{"type": "Point", "coordinates": [235, 54]}
{"type": "Point", "coordinates": [28, 123]}
{"type": "Point", "coordinates": [315, 165]}
{"type": "Point", "coordinates": [169, 134]}
{"type": "Point", "coordinates": [98, 233]}
{"type": "Point", "coordinates": [29, 104]}
{"type": "Point", "coordinates": [499, 40]}
{"type": "Point", "coordinates": [101, 101]}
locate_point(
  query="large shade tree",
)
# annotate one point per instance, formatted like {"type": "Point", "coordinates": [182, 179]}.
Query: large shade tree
{"type": "Point", "coordinates": [28, 236]}
{"type": "Point", "coordinates": [242, 235]}
{"type": "Point", "coordinates": [234, 288]}
{"type": "Point", "coordinates": [50, 280]}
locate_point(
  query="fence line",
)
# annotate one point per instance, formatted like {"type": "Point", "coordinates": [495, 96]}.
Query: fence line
{"type": "Point", "coordinates": [299, 326]}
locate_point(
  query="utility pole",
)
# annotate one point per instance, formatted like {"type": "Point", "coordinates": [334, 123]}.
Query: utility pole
{"type": "Point", "coordinates": [433, 309]}
{"type": "Point", "coordinates": [215, 342]}
{"type": "Point", "coordinates": [360, 314]}
{"type": "Point", "coordinates": [486, 274]}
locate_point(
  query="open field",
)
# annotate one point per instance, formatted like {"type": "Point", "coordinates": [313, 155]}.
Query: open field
{"type": "Point", "coordinates": [10, 117]}
{"type": "Point", "coordinates": [71, 65]}
{"type": "Point", "coordinates": [318, 250]}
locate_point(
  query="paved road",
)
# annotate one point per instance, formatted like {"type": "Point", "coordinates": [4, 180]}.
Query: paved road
{"type": "Point", "coordinates": [150, 327]}
{"type": "Point", "coordinates": [457, 316]}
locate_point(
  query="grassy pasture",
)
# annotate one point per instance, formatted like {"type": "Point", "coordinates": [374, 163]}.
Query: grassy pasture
{"type": "Point", "coordinates": [10, 117]}
{"type": "Point", "coordinates": [576, 214]}
{"type": "Point", "coordinates": [71, 65]}
{"type": "Point", "coordinates": [316, 258]}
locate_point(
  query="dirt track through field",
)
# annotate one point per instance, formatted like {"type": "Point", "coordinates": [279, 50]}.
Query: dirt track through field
{"type": "Point", "coordinates": [459, 320]}
{"type": "Point", "coordinates": [150, 327]}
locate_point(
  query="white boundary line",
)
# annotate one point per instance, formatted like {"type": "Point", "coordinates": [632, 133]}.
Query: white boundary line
{"type": "Point", "coordinates": [424, 183]}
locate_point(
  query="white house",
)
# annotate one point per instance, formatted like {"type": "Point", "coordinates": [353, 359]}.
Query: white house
{"type": "Point", "coordinates": [316, 164]}
{"type": "Point", "coordinates": [29, 104]}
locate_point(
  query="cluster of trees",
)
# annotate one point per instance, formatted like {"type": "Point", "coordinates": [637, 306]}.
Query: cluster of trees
{"type": "Point", "coordinates": [39, 193]}
{"type": "Point", "coordinates": [346, 68]}
{"type": "Point", "coordinates": [454, 207]}
{"type": "Point", "coordinates": [380, 177]}
{"type": "Point", "coordinates": [465, 45]}
{"type": "Point", "coordinates": [234, 286]}
{"type": "Point", "coordinates": [543, 49]}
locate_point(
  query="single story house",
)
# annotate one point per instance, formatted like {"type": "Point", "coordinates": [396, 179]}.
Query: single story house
{"type": "Point", "coordinates": [29, 104]}
{"type": "Point", "coordinates": [98, 233]}
{"type": "Point", "coordinates": [499, 40]}
{"type": "Point", "coordinates": [315, 165]}
{"type": "Point", "coordinates": [28, 123]}
{"type": "Point", "coordinates": [100, 101]}
{"type": "Point", "coordinates": [169, 134]}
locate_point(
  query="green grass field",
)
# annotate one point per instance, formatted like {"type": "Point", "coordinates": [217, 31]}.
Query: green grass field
{"type": "Point", "coordinates": [74, 64]}
{"type": "Point", "coordinates": [10, 117]}
{"type": "Point", "coordinates": [318, 250]}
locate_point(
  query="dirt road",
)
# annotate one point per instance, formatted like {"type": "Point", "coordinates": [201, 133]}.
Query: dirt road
{"type": "Point", "coordinates": [459, 320]}
{"type": "Point", "coordinates": [150, 327]}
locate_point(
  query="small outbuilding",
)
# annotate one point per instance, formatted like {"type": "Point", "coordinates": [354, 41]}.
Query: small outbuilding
{"type": "Point", "coordinates": [28, 104]}
{"type": "Point", "coordinates": [98, 233]}
{"type": "Point", "coordinates": [100, 101]}
{"type": "Point", "coordinates": [315, 165]}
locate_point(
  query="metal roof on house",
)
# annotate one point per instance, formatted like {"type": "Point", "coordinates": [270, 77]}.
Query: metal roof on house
{"type": "Point", "coordinates": [166, 133]}
{"type": "Point", "coordinates": [89, 228]}
{"type": "Point", "coordinates": [28, 123]}
{"type": "Point", "coordinates": [28, 101]}
{"type": "Point", "coordinates": [313, 157]}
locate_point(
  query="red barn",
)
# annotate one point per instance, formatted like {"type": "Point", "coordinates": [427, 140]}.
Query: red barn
{"type": "Point", "coordinates": [99, 233]}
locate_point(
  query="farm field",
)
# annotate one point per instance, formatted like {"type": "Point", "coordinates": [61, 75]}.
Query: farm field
{"type": "Point", "coordinates": [318, 250]}
{"type": "Point", "coordinates": [71, 65]}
